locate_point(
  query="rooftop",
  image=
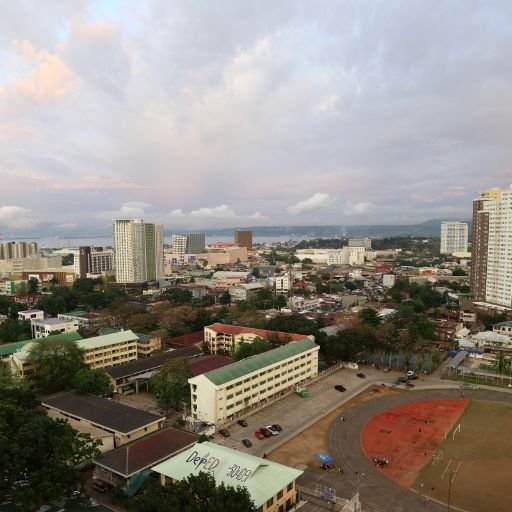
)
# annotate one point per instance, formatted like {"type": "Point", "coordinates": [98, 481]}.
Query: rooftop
{"type": "Point", "coordinates": [263, 333]}
{"type": "Point", "coordinates": [107, 339]}
{"type": "Point", "coordinates": [263, 478]}
{"type": "Point", "coordinates": [259, 361]}
{"type": "Point", "coordinates": [138, 455]}
{"type": "Point", "coordinates": [150, 363]}
{"type": "Point", "coordinates": [11, 348]}
{"type": "Point", "coordinates": [100, 411]}
{"type": "Point", "coordinates": [207, 362]}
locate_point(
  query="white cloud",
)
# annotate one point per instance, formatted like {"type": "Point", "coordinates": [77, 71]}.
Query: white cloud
{"type": "Point", "coordinates": [361, 208]}
{"type": "Point", "coordinates": [219, 212]}
{"type": "Point", "coordinates": [16, 217]}
{"type": "Point", "coordinates": [315, 202]}
{"type": "Point", "coordinates": [129, 210]}
{"type": "Point", "coordinates": [177, 213]}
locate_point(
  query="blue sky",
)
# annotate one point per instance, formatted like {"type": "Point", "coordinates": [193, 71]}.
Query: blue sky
{"type": "Point", "coordinates": [198, 114]}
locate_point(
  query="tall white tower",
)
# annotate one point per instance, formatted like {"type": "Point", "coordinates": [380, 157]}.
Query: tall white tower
{"type": "Point", "coordinates": [139, 251]}
{"type": "Point", "coordinates": [454, 237]}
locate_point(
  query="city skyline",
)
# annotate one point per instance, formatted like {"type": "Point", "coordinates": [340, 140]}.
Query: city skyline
{"type": "Point", "coordinates": [293, 114]}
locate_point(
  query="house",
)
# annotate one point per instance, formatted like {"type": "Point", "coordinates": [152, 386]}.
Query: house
{"type": "Point", "coordinates": [31, 314]}
{"type": "Point", "coordinates": [503, 328]}
{"type": "Point", "coordinates": [217, 396]}
{"type": "Point", "coordinates": [225, 338]}
{"type": "Point", "coordinates": [147, 344]}
{"type": "Point", "coordinates": [270, 485]}
{"type": "Point", "coordinates": [122, 422]}
{"type": "Point", "coordinates": [245, 292]}
{"type": "Point", "coordinates": [127, 466]}
{"type": "Point", "coordinates": [45, 327]}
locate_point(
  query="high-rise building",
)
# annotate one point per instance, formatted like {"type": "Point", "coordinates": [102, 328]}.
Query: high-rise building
{"type": "Point", "coordinates": [454, 237]}
{"type": "Point", "coordinates": [179, 244]}
{"type": "Point", "coordinates": [139, 251]}
{"type": "Point", "coordinates": [360, 242]}
{"type": "Point", "coordinates": [491, 250]}
{"type": "Point", "coordinates": [18, 250]}
{"type": "Point", "coordinates": [93, 261]}
{"type": "Point", "coordinates": [196, 243]}
{"type": "Point", "coordinates": [243, 237]}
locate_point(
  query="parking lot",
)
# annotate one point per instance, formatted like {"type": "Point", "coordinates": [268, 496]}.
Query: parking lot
{"type": "Point", "coordinates": [294, 414]}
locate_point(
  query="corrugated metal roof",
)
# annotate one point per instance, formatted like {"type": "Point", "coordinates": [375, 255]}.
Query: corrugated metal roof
{"type": "Point", "coordinates": [11, 348]}
{"type": "Point", "coordinates": [108, 339]}
{"type": "Point", "coordinates": [262, 478]}
{"type": "Point", "coordinates": [259, 361]}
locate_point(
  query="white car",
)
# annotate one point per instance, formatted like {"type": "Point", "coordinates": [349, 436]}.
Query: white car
{"type": "Point", "coordinates": [272, 429]}
{"type": "Point", "coordinates": [410, 373]}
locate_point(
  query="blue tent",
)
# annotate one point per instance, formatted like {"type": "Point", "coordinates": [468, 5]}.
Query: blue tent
{"type": "Point", "coordinates": [324, 458]}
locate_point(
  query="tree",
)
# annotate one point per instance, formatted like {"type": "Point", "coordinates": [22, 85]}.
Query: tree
{"type": "Point", "coordinates": [258, 346]}
{"type": "Point", "coordinates": [281, 301]}
{"type": "Point", "coordinates": [53, 304]}
{"type": "Point", "coordinates": [256, 272]}
{"type": "Point", "coordinates": [142, 322]}
{"type": "Point", "coordinates": [33, 285]}
{"type": "Point", "coordinates": [369, 316]}
{"type": "Point", "coordinates": [196, 493]}
{"type": "Point", "coordinates": [225, 298]}
{"type": "Point", "coordinates": [459, 272]}
{"type": "Point", "coordinates": [38, 455]}
{"type": "Point", "coordinates": [263, 299]}
{"type": "Point", "coordinates": [14, 330]}
{"type": "Point", "coordinates": [178, 296]}
{"type": "Point", "coordinates": [94, 381]}
{"type": "Point", "coordinates": [56, 362]}
{"type": "Point", "coordinates": [170, 384]}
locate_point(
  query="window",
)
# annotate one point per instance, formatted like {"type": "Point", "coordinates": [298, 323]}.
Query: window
{"type": "Point", "coordinates": [270, 502]}
{"type": "Point", "coordinates": [279, 495]}
{"type": "Point", "coordinates": [289, 488]}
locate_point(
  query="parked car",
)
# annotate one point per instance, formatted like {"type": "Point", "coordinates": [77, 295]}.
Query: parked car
{"type": "Point", "coordinates": [266, 432]}
{"type": "Point", "coordinates": [242, 423]}
{"type": "Point", "coordinates": [259, 434]}
{"type": "Point", "coordinates": [246, 443]}
{"type": "Point", "coordinates": [339, 387]}
{"type": "Point", "coordinates": [361, 375]}
{"type": "Point", "coordinates": [224, 432]}
{"type": "Point", "coordinates": [272, 430]}
{"type": "Point", "coordinates": [412, 377]}
{"type": "Point", "coordinates": [277, 427]}
{"type": "Point", "coordinates": [409, 373]}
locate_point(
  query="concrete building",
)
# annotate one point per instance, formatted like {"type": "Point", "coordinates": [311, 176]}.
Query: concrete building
{"type": "Point", "coordinates": [353, 256]}
{"type": "Point", "coordinates": [224, 279]}
{"type": "Point", "coordinates": [46, 326]}
{"type": "Point", "coordinates": [93, 261]}
{"type": "Point", "coordinates": [126, 467]}
{"type": "Point", "coordinates": [360, 242]}
{"type": "Point", "coordinates": [31, 314]}
{"type": "Point", "coordinates": [196, 243]}
{"type": "Point", "coordinates": [179, 244]}
{"type": "Point", "coordinates": [243, 237]}
{"type": "Point", "coordinates": [122, 422]}
{"type": "Point", "coordinates": [18, 250]}
{"type": "Point", "coordinates": [219, 395]}
{"type": "Point", "coordinates": [270, 485]}
{"type": "Point", "coordinates": [454, 237]}
{"type": "Point", "coordinates": [224, 338]}
{"type": "Point", "coordinates": [244, 291]}
{"type": "Point", "coordinates": [139, 251]}
{"type": "Point", "coordinates": [491, 265]}
{"type": "Point", "coordinates": [283, 284]}
{"type": "Point", "coordinates": [229, 255]}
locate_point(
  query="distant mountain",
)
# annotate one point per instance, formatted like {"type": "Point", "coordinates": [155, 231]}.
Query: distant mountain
{"type": "Point", "coordinates": [427, 229]}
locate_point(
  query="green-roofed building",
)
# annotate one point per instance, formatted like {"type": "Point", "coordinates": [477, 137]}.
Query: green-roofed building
{"type": "Point", "coordinates": [10, 348]}
{"type": "Point", "coordinates": [271, 485]}
{"type": "Point", "coordinates": [217, 396]}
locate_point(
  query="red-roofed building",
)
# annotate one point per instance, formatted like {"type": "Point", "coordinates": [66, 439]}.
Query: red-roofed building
{"type": "Point", "coordinates": [224, 338]}
{"type": "Point", "coordinates": [186, 340]}
{"type": "Point", "coordinates": [127, 466]}
{"type": "Point", "coordinates": [207, 363]}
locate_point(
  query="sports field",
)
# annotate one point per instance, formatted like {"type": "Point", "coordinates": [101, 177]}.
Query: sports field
{"type": "Point", "coordinates": [478, 461]}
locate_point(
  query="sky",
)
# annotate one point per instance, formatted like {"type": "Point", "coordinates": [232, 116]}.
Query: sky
{"type": "Point", "coordinates": [237, 113]}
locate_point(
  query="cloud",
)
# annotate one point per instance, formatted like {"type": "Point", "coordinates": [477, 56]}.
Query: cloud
{"type": "Point", "coordinates": [48, 77]}
{"type": "Point", "coordinates": [96, 183]}
{"type": "Point", "coordinates": [130, 210]}
{"type": "Point", "coordinates": [16, 217]}
{"type": "Point", "coordinates": [218, 212]}
{"type": "Point", "coordinates": [179, 213]}
{"type": "Point", "coordinates": [315, 202]}
{"type": "Point", "coordinates": [361, 208]}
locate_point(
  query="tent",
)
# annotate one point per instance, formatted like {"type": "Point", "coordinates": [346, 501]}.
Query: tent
{"type": "Point", "coordinates": [324, 458]}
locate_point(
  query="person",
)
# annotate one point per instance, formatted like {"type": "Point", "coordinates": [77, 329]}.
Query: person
{"type": "Point", "coordinates": [264, 455]}
{"type": "Point", "coordinates": [342, 418]}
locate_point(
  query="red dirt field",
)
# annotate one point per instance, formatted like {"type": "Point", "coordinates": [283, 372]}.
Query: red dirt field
{"type": "Point", "coordinates": [408, 435]}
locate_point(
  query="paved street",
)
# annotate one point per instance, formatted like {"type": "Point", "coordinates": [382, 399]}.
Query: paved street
{"type": "Point", "coordinates": [295, 414]}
